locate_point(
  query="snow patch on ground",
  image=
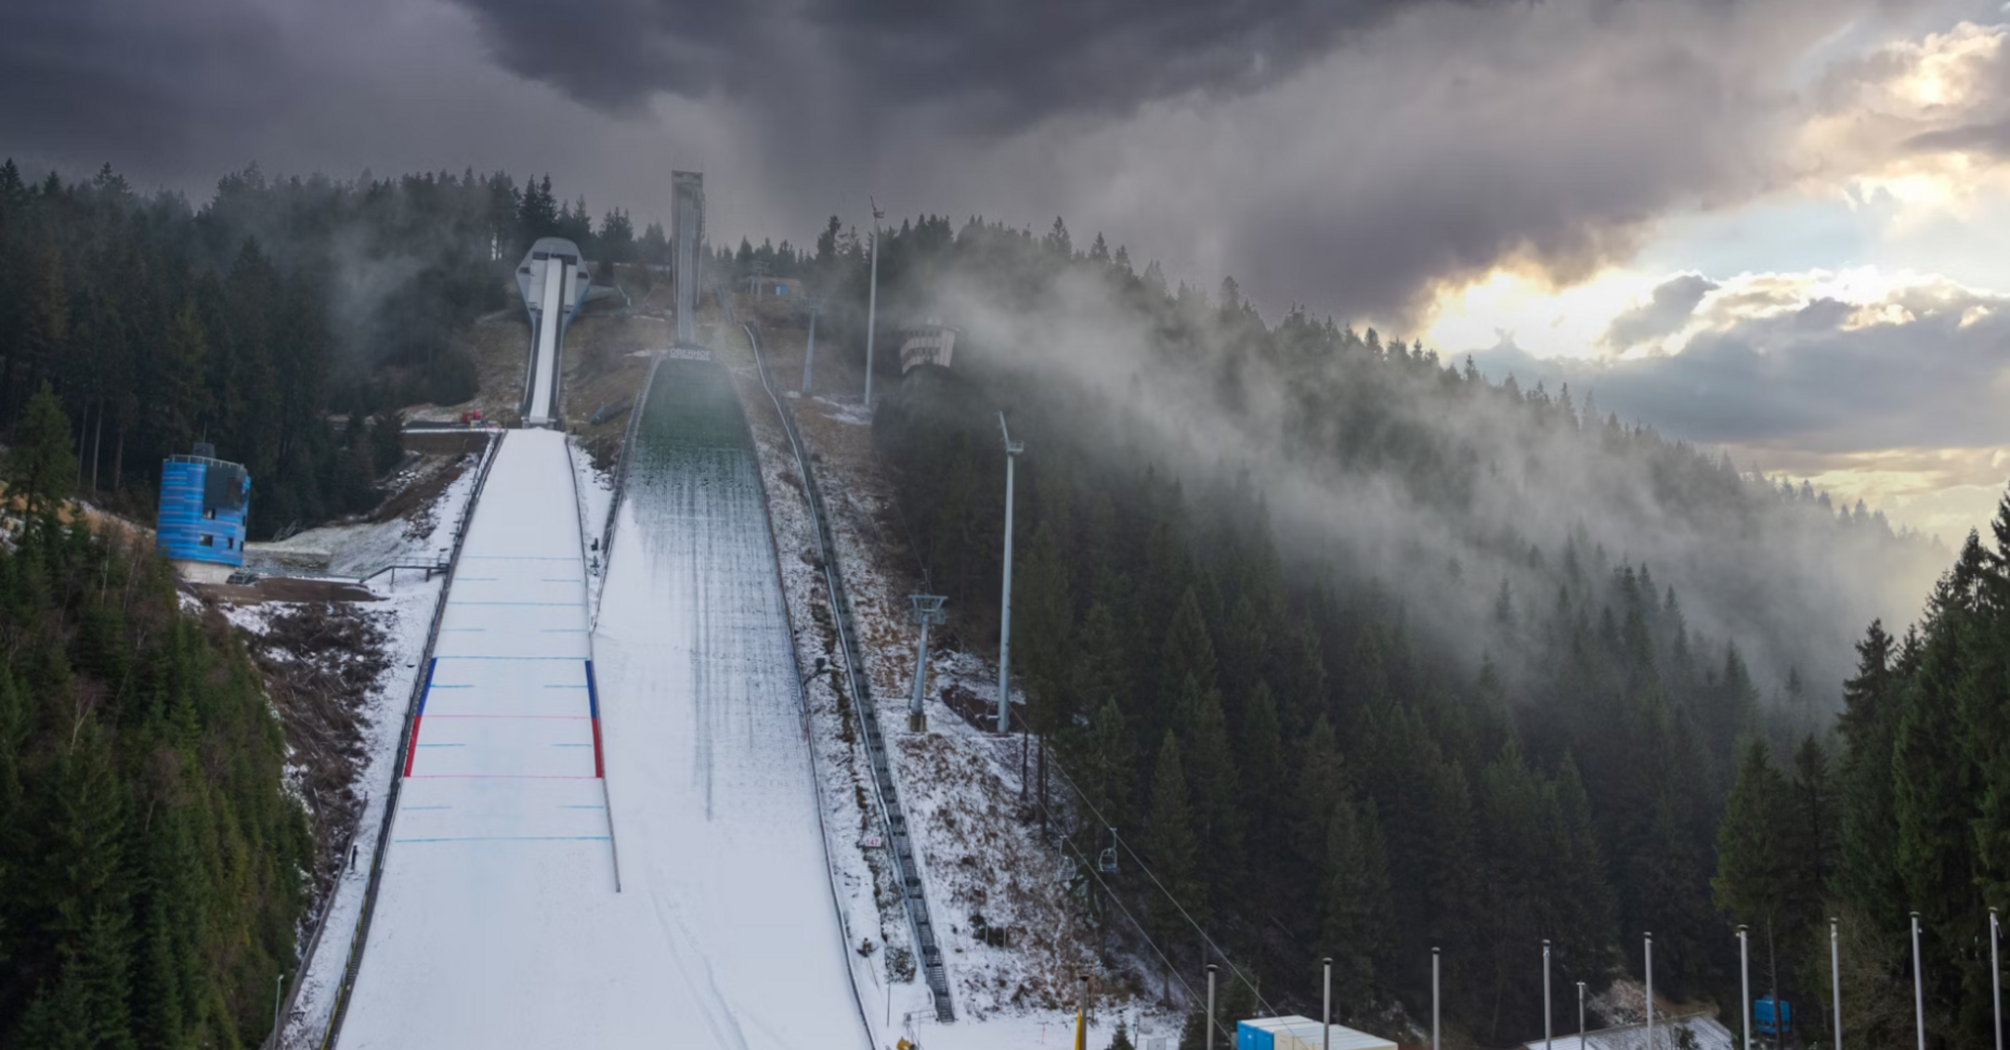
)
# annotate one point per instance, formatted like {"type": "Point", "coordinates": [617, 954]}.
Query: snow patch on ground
{"type": "Point", "coordinates": [405, 615]}
{"type": "Point", "coordinates": [961, 786]}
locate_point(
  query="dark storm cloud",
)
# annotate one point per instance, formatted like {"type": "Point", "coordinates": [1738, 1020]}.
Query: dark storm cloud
{"type": "Point", "coordinates": [129, 82]}
{"type": "Point", "coordinates": [1673, 304]}
{"type": "Point", "coordinates": [1822, 378]}
{"type": "Point", "coordinates": [997, 64]}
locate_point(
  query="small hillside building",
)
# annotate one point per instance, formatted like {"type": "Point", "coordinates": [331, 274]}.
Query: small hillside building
{"type": "Point", "coordinates": [1303, 1033]}
{"type": "Point", "coordinates": [203, 505]}
{"type": "Point", "coordinates": [928, 343]}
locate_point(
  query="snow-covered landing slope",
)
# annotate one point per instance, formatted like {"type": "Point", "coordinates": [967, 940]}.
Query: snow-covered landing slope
{"type": "Point", "coordinates": [714, 804]}
{"type": "Point", "coordinates": [500, 866]}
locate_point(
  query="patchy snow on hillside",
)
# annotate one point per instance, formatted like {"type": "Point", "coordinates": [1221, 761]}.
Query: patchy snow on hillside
{"type": "Point", "coordinates": [404, 616]}
{"type": "Point", "coordinates": [979, 853]}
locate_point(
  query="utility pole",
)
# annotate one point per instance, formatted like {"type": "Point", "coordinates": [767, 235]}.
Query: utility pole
{"type": "Point", "coordinates": [1918, 986]}
{"type": "Point", "coordinates": [1012, 450]}
{"type": "Point", "coordinates": [810, 354]}
{"type": "Point", "coordinates": [1434, 999]}
{"type": "Point", "coordinates": [1650, 991]}
{"type": "Point", "coordinates": [1835, 980]}
{"type": "Point", "coordinates": [1580, 1016]}
{"type": "Point", "coordinates": [1745, 983]}
{"type": "Point", "coordinates": [1326, 1010]}
{"type": "Point", "coordinates": [927, 609]}
{"type": "Point", "coordinates": [1210, 1006]}
{"type": "Point", "coordinates": [1082, 1018]}
{"type": "Point", "coordinates": [872, 304]}
{"type": "Point", "coordinates": [1995, 976]}
{"type": "Point", "coordinates": [1548, 1042]}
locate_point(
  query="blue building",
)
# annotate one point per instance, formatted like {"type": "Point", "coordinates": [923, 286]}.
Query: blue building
{"type": "Point", "coordinates": [203, 505]}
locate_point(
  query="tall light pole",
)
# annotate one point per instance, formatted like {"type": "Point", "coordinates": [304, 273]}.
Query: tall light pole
{"type": "Point", "coordinates": [1326, 1010]}
{"type": "Point", "coordinates": [1650, 991]}
{"type": "Point", "coordinates": [1434, 999]}
{"type": "Point", "coordinates": [1995, 978]}
{"type": "Point", "coordinates": [1918, 986]}
{"type": "Point", "coordinates": [927, 609]}
{"type": "Point", "coordinates": [1210, 1006]}
{"type": "Point", "coordinates": [810, 354]}
{"type": "Point", "coordinates": [1745, 983]}
{"type": "Point", "coordinates": [872, 303]}
{"type": "Point", "coordinates": [1548, 1042]}
{"type": "Point", "coordinates": [1012, 450]}
{"type": "Point", "coordinates": [1835, 984]}
{"type": "Point", "coordinates": [1580, 1015]}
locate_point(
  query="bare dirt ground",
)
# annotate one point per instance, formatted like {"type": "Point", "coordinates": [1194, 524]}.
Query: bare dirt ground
{"type": "Point", "coordinates": [284, 589]}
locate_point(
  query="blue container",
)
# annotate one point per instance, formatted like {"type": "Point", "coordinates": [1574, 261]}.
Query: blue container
{"type": "Point", "coordinates": [202, 509]}
{"type": "Point", "coordinates": [1774, 1019]}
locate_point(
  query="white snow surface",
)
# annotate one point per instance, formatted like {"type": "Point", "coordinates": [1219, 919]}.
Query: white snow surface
{"type": "Point", "coordinates": [499, 922]}
{"type": "Point", "coordinates": [715, 810]}
{"type": "Point", "coordinates": [499, 882]}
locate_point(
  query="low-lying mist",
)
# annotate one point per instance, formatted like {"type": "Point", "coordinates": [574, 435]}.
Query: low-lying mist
{"type": "Point", "coordinates": [1463, 500]}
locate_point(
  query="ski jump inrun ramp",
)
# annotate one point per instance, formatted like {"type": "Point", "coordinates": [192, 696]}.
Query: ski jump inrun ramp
{"type": "Point", "coordinates": [623, 851]}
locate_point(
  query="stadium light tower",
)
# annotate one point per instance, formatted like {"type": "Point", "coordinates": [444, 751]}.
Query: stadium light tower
{"type": "Point", "coordinates": [926, 609]}
{"type": "Point", "coordinates": [872, 302]}
{"type": "Point", "coordinates": [1012, 450]}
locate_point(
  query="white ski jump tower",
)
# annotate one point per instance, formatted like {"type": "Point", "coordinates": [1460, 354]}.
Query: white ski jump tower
{"type": "Point", "coordinates": [687, 236]}
{"type": "Point", "coordinates": [554, 282]}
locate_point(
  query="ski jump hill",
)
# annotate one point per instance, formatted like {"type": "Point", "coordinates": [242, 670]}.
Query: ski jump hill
{"type": "Point", "coordinates": [607, 836]}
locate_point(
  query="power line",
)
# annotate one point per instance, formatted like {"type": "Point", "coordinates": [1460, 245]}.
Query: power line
{"type": "Point", "coordinates": [1232, 968]}
{"type": "Point", "coordinates": [1153, 945]}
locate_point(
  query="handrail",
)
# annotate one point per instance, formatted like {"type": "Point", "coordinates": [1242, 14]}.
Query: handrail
{"type": "Point", "coordinates": [913, 894]}
{"type": "Point", "coordinates": [606, 796]}
{"type": "Point", "coordinates": [621, 482]}
{"type": "Point", "coordinates": [803, 703]}
{"type": "Point", "coordinates": [332, 1034]}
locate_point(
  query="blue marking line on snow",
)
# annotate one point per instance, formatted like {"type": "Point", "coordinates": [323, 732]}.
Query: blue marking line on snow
{"type": "Point", "coordinates": [431, 666]}
{"type": "Point", "coordinates": [512, 838]}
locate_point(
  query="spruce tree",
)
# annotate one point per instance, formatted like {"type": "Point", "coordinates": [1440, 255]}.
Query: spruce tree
{"type": "Point", "coordinates": [1171, 846]}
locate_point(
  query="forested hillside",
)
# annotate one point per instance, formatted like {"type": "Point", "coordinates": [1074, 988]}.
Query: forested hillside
{"type": "Point", "coordinates": [151, 863]}
{"type": "Point", "coordinates": [250, 319]}
{"type": "Point", "coordinates": [1915, 818]}
{"type": "Point", "coordinates": [1361, 653]}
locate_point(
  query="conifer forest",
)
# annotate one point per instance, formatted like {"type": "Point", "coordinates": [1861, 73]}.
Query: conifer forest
{"type": "Point", "coordinates": [1357, 652]}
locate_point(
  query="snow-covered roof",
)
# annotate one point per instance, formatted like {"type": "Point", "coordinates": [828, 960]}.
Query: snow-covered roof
{"type": "Point", "coordinates": [1308, 1032]}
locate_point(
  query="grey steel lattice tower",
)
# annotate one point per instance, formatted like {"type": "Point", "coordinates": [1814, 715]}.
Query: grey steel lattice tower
{"type": "Point", "coordinates": [687, 240]}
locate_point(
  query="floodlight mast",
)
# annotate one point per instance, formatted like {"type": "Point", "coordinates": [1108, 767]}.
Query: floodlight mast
{"type": "Point", "coordinates": [872, 303]}
{"type": "Point", "coordinates": [1012, 450]}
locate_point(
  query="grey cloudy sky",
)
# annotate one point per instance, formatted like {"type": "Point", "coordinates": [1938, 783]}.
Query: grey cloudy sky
{"type": "Point", "coordinates": [1366, 158]}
